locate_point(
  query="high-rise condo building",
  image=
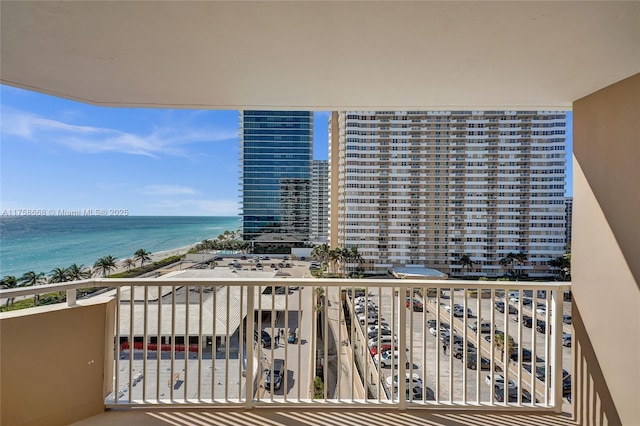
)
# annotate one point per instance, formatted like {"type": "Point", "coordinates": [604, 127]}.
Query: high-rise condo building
{"type": "Point", "coordinates": [276, 155]}
{"type": "Point", "coordinates": [429, 187]}
{"type": "Point", "coordinates": [320, 201]}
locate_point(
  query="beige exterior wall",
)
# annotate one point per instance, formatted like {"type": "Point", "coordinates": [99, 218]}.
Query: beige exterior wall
{"type": "Point", "coordinates": [606, 254]}
{"type": "Point", "coordinates": [58, 376]}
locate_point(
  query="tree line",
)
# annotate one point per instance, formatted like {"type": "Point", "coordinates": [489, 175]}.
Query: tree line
{"type": "Point", "coordinates": [336, 259]}
{"type": "Point", "coordinates": [103, 266]}
{"type": "Point", "coordinates": [512, 262]}
{"type": "Point", "coordinates": [228, 241]}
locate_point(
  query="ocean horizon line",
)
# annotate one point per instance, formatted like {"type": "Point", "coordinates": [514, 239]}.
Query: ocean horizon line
{"type": "Point", "coordinates": [46, 242]}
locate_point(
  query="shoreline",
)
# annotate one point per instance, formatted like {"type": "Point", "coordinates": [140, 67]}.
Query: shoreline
{"type": "Point", "coordinates": [155, 256]}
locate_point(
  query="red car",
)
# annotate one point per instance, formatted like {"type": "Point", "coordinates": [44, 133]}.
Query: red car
{"type": "Point", "coordinates": [386, 347]}
{"type": "Point", "coordinates": [417, 304]}
{"type": "Point", "coordinates": [374, 349]}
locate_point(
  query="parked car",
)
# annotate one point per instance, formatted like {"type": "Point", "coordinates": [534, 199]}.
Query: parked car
{"type": "Point", "coordinates": [484, 326]}
{"type": "Point", "coordinates": [499, 395]}
{"type": "Point", "coordinates": [415, 393]}
{"type": "Point", "coordinates": [458, 351]}
{"type": "Point", "coordinates": [498, 381]}
{"type": "Point", "coordinates": [458, 310]}
{"type": "Point", "coordinates": [496, 332]}
{"type": "Point", "coordinates": [566, 319]}
{"type": "Point", "coordinates": [265, 338]}
{"type": "Point", "coordinates": [526, 355]}
{"type": "Point", "coordinates": [360, 309]}
{"type": "Point", "coordinates": [566, 339]}
{"type": "Point", "coordinates": [540, 373]}
{"type": "Point", "coordinates": [541, 309]}
{"type": "Point", "coordinates": [541, 327]}
{"type": "Point", "coordinates": [417, 304]}
{"type": "Point", "coordinates": [373, 350]}
{"type": "Point", "coordinates": [412, 380]}
{"type": "Point", "coordinates": [377, 327]}
{"type": "Point", "coordinates": [443, 327]}
{"type": "Point", "coordinates": [383, 332]}
{"type": "Point", "coordinates": [527, 321]}
{"type": "Point", "coordinates": [500, 306]}
{"type": "Point", "coordinates": [370, 318]}
{"type": "Point", "coordinates": [275, 374]}
{"type": "Point", "coordinates": [384, 340]}
{"type": "Point", "coordinates": [387, 358]}
{"type": "Point", "coordinates": [472, 363]}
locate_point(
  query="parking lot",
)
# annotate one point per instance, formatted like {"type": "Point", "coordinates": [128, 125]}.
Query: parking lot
{"type": "Point", "coordinates": [432, 360]}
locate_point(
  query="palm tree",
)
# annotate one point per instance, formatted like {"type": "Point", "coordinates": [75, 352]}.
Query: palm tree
{"type": "Point", "coordinates": [355, 256]}
{"type": "Point", "coordinates": [129, 263]}
{"type": "Point", "coordinates": [105, 265]}
{"type": "Point", "coordinates": [465, 260]}
{"type": "Point", "coordinates": [334, 258]}
{"type": "Point", "coordinates": [7, 283]}
{"type": "Point", "coordinates": [59, 275]}
{"type": "Point", "coordinates": [31, 278]}
{"type": "Point", "coordinates": [142, 255]}
{"type": "Point", "coordinates": [321, 253]}
{"type": "Point", "coordinates": [77, 273]}
{"type": "Point", "coordinates": [562, 266]}
{"type": "Point", "coordinates": [520, 259]}
{"type": "Point", "coordinates": [508, 260]}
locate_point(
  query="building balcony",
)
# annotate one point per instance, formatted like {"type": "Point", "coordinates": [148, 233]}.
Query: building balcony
{"type": "Point", "coordinates": [182, 342]}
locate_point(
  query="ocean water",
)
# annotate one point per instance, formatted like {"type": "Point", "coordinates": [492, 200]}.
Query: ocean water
{"type": "Point", "coordinates": [42, 243]}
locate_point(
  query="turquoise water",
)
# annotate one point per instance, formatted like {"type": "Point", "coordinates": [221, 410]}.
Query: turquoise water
{"type": "Point", "coordinates": [43, 243]}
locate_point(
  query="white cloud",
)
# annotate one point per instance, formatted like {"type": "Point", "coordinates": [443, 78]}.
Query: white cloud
{"type": "Point", "coordinates": [96, 140]}
{"type": "Point", "coordinates": [192, 207]}
{"type": "Point", "coordinates": [166, 190]}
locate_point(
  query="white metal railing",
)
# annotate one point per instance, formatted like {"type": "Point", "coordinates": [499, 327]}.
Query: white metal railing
{"type": "Point", "coordinates": [208, 341]}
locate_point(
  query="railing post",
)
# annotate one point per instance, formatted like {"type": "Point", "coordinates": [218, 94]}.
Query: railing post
{"type": "Point", "coordinates": [250, 345]}
{"type": "Point", "coordinates": [402, 343]}
{"type": "Point", "coordinates": [556, 347]}
{"type": "Point", "coordinates": [71, 297]}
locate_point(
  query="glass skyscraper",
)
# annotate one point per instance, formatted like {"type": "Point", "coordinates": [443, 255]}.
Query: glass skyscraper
{"type": "Point", "coordinates": [276, 156]}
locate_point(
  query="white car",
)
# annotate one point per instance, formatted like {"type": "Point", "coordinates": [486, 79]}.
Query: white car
{"type": "Point", "coordinates": [377, 327]}
{"type": "Point", "coordinates": [566, 339]}
{"type": "Point", "coordinates": [485, 327]}
{"type": "Point", "coordinates": [370, 318]}
{"type": "Point", "coordinates": [541, 309]}
{"type": "Point", "coordinates": [498, 381]}
{"type": "Point", "coordinates": [458, 310]}
{"type": "Point", "coordinates": [412, 380]}
{"type": "Point", "coordinates": [387, 358]}
{"type": "Point", "coordinates": [361, 309]}
{"type": "Point", "coordinates": [384, 340]}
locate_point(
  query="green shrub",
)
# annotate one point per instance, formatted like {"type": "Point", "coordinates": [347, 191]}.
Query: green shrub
{"type": "Point", "coordinates": [318, 388]}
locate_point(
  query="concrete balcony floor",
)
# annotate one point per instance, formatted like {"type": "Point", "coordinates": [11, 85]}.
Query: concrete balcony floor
{"type": "Point", "coordinates": [324, 416]}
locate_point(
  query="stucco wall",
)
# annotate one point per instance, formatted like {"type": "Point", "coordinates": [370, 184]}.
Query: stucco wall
{"type": "Point", "coordinates": [606, 253]}
{"type": "Point", "coordinates": [52, 363]}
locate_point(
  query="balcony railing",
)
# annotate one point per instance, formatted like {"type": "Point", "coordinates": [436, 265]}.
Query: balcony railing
{"type": "Point", "coordinates": [253, 342]}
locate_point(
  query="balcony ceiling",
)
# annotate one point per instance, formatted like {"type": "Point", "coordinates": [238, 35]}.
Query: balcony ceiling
{"type": "Point", "coordinates": [320, 55]}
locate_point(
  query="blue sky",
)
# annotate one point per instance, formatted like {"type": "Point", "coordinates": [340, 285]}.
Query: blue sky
{"type": "Point", "coordinates": [59, 154]}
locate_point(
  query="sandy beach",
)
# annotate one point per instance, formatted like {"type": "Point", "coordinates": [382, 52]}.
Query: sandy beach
{"type": "Point", "coordinates": [159, 255]}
